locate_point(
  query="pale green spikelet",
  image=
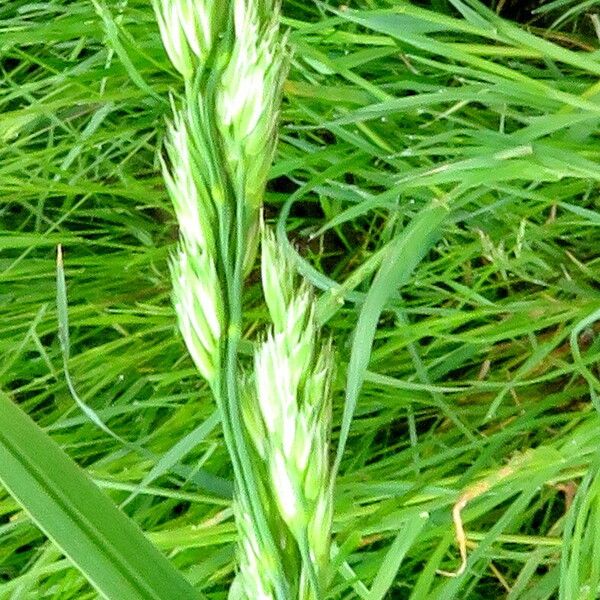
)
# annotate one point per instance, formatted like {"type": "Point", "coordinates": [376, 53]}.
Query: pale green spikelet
{"type": "Point", "coordinates": [253, 580]}
{"type": "Point", "coordinates": [250, 86]}
{"type": "Point", "coordinates": [188, 29]}
{"type": "Point", "coordinates": [197, 295]}
{"type": "Point", "coordinates": [247, 104]}
{"type": "Point", "coordinates": [293, 392]}
{"type": "Point", "coordinates": [199, 307]}
{"type": "Point", "coordinates": [187, 187]}
{"type": "Point", "coordinates": [292, 395]}
{"type": "Point", "coordinates": [278, 283]}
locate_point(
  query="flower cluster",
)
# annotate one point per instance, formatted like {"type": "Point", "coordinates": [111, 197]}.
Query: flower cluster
{"type": "Point", "coordinates": [248, 99]}
{"type": "Point", "coordinates": [220, 145]}
{"type": "Point", "coordinates": [292, 395]}
{"type": "Point", "coordinates": [249, 95]}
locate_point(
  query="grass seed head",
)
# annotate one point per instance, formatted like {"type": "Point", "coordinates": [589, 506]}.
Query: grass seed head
{"type": "Point", "coordinates": [256, 567]}
{"type": "Point", "coordinates": [249, 95]}
{"type": "Point", "coordinates": [187, 187]}
{"type": "Point", "coordinates": [278, 279]}
{"type": "Point", "coordinates": [292, 395]}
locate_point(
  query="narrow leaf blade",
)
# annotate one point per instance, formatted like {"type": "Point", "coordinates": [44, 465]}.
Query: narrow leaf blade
{"type": "Point", "coordinates": [103, 543]}
{"type": "Point", "coordinates": [405, 252]}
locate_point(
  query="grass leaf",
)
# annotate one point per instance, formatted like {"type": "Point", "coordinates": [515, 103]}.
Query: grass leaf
{"type": "Point", "coordinates": [404, 254]}
{"type": "Point", "coordinates": [108, 548]}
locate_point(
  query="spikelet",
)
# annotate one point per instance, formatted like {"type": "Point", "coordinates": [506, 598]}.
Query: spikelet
{"type": "Point", "coordinates": [248, 100]}
{"type": "Point", "coordinates": [199, 307]}
{"type": "Point", "coordinates": [254, 578]}
{"type": "Point", "coordinates": [249, 92]}
{"type": "Point", "coordinates": [188, 29]}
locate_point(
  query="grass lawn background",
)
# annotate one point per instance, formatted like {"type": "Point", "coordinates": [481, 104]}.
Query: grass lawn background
{"type": "Point", "coordinates": [481, 390]}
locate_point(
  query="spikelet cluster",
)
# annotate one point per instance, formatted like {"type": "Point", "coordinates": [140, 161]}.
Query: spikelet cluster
{"type": "Point", "coordinates": [220, 145]}
{"type": "Point", "coordinates": [288, 415]}
{"type": "Point", "coordinates": [196, 288]}
{"type": "Point", "coordinates": [248, 100]}
{"type": "Point", "coordinates": [249, 96]}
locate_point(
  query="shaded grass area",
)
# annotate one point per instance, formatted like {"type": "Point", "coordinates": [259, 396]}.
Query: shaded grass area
{"type": "Point", "coordinates": [482, 386]}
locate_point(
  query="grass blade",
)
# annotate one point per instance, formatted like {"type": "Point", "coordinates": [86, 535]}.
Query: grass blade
{"type": "Point", "coordinates": [395, 555]}
{"type": "Point", "coordinates": [405, 253]}
{"type": "Point", "coordinates": [107, 547]}
{"type": "Point", "coordinates": [65, 345]}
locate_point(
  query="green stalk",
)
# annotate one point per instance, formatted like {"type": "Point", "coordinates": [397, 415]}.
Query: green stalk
{"type": "Point", "coordinates": [310, 568]}
{"type": "Point", "coordinates": [234, 286]}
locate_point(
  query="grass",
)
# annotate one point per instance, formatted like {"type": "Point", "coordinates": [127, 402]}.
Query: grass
{"type": "Point", "coordinates": [438, 176]}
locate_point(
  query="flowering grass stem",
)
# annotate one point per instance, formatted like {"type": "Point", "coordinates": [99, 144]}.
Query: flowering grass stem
{"type": "Point", "coordinates": [220, 146]}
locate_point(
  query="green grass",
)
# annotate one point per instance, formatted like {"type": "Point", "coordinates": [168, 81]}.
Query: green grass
{"type": "Point", "coordinates": [438, 176]}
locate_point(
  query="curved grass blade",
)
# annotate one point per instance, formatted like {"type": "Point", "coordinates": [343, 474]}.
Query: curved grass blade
{"type": "Point", "coordinates": [405, 252]}
{"type": "Point", "coordinates": [65, 346]}
{"type": "Point", "coordinates": [103, 543]}
{"type": "Point", "coordinates": [386, 575]}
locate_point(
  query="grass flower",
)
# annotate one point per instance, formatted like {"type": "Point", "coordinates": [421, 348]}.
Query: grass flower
{"type": "Point", "coordinates": [188, 29]}
{"type": "Point", "coordinates": [248, 99]}
{"type": "Point", "coordinates": [188, 187]}
{"type": "Point", "coordinates": [292, 395]}
{"type": "Point", "coordinates": [220, 147]}
{"type": "Point", "coordinates": [199, 307]}
{"type": "Point", "coordinates": [257, 574]}
{"type": "Point", "coordinates": [249, 93]}
{"type": "Point", "coordinates": [197, 292]}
